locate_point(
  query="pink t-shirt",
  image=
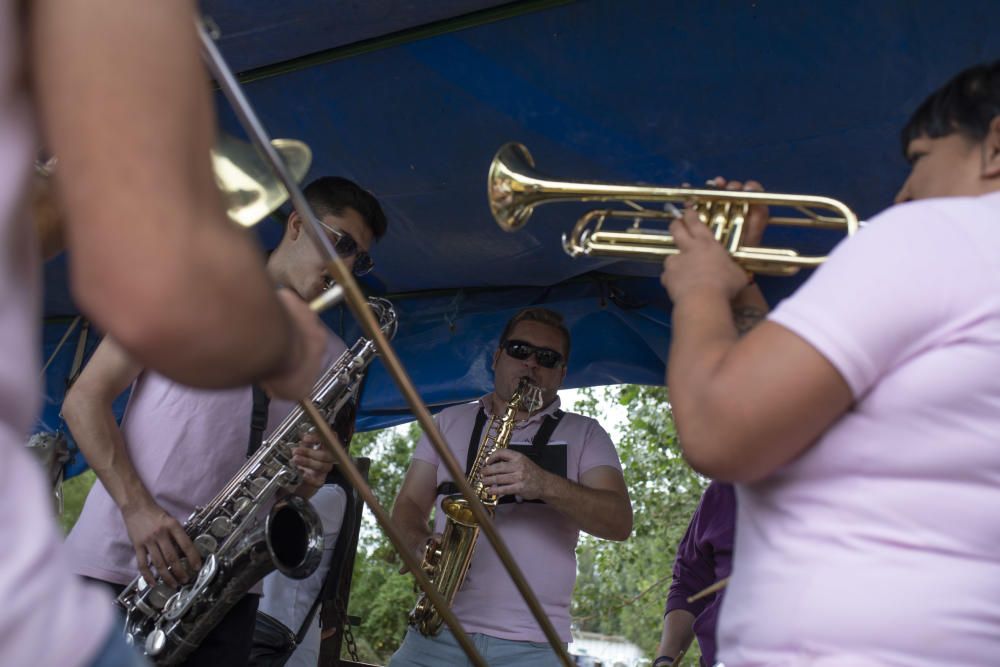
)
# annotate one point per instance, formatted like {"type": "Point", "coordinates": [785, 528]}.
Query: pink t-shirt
{"type": "Point", "coordinates": [47, 615]}
{"type": "Point", "coordinates": [542, 541]}
{"type": "Point", "coordinates": [185, 444]}
{"type": "Point", "coordinates": [879, 544]}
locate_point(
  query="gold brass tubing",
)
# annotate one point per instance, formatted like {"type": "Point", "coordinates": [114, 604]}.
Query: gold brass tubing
{"type": "Point", "coordinates": [354, 476]}
{"type": "Point", "coordinates": [515, 189]}
{"type": "Point", "coordinates": [705, 592]}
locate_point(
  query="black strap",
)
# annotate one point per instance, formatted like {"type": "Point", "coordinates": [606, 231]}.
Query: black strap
{"type": "Point", "coordinates": [544, 433]}
{"type": "Point", "coordinates": [348, 527]}
{"type": "Point", "coordinates": [477, 434]}
{"type": "Point", "coordinates": [258, 420]}
{"type": "Point", "coordinates": [538, 443]}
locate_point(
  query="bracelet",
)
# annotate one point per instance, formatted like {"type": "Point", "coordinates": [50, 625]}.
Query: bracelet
{"type": "Point", "coordinates": [663, 661]}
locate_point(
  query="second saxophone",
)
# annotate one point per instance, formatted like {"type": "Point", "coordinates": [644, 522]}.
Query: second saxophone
{"type": "Point", "coordinates": [447, 563]}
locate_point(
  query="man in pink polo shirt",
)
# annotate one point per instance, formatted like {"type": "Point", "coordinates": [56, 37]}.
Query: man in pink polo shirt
{"type": "Point", "coordinates": [860, 420]}
{"type": "Point", "coordinates": [178, 446]}
{"type": "Point", "coordinates": [117, 89]}
{"type": "Point", "coordinates": [552, 489]}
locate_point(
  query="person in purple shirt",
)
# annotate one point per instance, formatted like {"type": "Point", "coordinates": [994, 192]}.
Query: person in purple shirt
{"type": "Point", "coordinates": [704, 557]}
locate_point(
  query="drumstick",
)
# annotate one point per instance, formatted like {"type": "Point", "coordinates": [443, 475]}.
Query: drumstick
{"type": "Point", "coordinates": [717, 586]}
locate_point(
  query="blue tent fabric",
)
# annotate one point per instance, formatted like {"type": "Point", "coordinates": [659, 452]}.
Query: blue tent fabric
{"type": "Point", "coordinates": [805, 97]}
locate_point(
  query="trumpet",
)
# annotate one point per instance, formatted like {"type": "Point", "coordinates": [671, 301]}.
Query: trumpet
{"type": "Point", "coordinates": [515, 188]}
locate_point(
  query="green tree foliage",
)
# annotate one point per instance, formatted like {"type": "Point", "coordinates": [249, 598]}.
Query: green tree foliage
{"type": "Point", "coordinates": [380, 596]}
{"type": "Point", "coordinates": [621, 587]}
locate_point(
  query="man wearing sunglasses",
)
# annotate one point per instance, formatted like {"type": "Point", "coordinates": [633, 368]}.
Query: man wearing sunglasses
{"type": "Point", "coordinates": [177, 446]}
{"type": "Point", "coordinates": [560, 475]}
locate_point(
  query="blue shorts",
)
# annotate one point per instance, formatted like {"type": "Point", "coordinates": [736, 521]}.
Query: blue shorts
{"type": "Point", "coordinates": [444, 651]}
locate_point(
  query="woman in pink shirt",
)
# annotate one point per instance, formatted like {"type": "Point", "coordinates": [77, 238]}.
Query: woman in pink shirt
{"type": "Point", "coordinates": [860, 420]}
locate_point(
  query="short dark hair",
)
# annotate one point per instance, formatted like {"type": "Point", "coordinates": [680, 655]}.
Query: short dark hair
{"type": "Point", "coordinates": [967, 104]}
{"type": "Point", "coordinates": [544, 316]}
{"type": "Point", "coordinates": [332, 194]}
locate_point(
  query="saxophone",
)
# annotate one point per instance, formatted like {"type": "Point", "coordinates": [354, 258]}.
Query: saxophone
{"type": "Point", "coordinates": [447, 563]}
{"type": "Point", "coordinates": [236, 547]}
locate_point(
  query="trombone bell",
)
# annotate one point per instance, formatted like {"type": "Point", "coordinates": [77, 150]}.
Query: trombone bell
{"type": "Point", "coordinates": [515, 188]}
{"type": "Point", "coordinates": [249, 188]}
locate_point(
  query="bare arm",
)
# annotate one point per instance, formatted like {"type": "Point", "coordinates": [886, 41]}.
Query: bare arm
{"type": "Point", "coordinates": [743, 407]}
{"type": "Point", "coordinates": [413, 504]}
{"type": "Point", "coordinates": [599, 504]}
{"type": "Point", "coordinates": [156, 536]}
{"type": "Point", "coordinates": [124, 102]}
{"type": "Point", "coordinates": [677, 634]}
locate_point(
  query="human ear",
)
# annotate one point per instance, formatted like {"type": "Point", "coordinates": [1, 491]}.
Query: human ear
{"type": "Point", "coordinates": [991, 150]}
{"type": "Point", "coordinates": [294, 226]}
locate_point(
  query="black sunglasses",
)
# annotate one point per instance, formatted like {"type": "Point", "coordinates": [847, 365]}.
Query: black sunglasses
{"type": "Point", "coordinates": [346, 246]}
{"type": "Point", "coordinates": [520, 350]}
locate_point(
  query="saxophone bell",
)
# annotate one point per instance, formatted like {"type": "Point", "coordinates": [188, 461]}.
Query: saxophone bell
{"type": "Point", "coordinates": [293, 533]}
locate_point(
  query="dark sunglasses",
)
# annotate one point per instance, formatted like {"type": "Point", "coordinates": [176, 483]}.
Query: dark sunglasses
{"type": "Point", "coordinates": [520, 350]}
{"type": "Point", "coordinates": [346, 246]}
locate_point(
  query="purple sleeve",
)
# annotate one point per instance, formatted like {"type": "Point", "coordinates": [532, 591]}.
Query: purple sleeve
{"type": "Point", "coordinates": [704, 553]}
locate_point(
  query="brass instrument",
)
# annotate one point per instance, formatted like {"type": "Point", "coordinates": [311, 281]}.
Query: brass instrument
{"type": "Point", "coordinates": [249, 188]}
{"type": "Point", "coordinates": [515, 188]}
{"type": "Point", "coordinates": [446, 563]}
{"type": "Point", "coordinates": [239, 549]}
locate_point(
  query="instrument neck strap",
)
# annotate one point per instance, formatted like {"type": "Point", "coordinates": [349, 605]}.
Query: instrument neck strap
{"type": "Point", "coordinates": [258, 420]}
{"type": "Point", "coordinates": [538, 443]}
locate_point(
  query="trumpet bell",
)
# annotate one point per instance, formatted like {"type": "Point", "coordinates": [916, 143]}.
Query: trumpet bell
{"type": "Point", "coordinates": [507, 185]}
{"type": "Point", "coordinates": [249, 187]}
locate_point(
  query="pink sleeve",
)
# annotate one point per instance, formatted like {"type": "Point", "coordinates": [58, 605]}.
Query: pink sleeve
{"type": "Point", "coordinates": [424, 451]}
{"type": "Point", "coordinates": [880, 298]}
{"type": "Point", "coordinates": [598, 450]}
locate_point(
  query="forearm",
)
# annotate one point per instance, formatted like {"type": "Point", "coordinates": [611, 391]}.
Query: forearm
{"type": "Point", "coordinates": [599, 512]}
{"type": "Point", "coordinates": [155, 261]}
{"type": "Point", "coordinates": [412, 523]}
{"type": "Point", "coordinates": [228, 300]}
{"type": "Point", "coordinates": [102, 444]}
{"type": "Point", "coordinates": [678, 632]}
{"type": "Point", "coordinates": [748, 308]}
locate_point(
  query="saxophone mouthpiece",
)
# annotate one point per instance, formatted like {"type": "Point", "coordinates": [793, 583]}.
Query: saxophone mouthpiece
{"type": "Point", "coordinates": [531, 394]}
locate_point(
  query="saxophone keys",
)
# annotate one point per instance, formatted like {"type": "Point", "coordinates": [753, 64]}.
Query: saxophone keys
{"type": "Point", "coordinates": [206, 544]}
{"type": "Point", "coordinates": [156, 642]}
{"type": "Point", "coordinates": [221, 526]}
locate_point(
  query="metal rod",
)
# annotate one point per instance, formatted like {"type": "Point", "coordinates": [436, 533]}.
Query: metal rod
{"type": "Point", "coordinates": [359, 306]}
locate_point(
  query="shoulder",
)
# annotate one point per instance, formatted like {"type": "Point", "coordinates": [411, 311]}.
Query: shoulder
{"type": "Point", "coordinates": [466, 412]}
{"type": "Point", "coordinates": [933, 222]}
{"type": "Point", "coordinates": [588, 426]}
{"type": "Point", "coordinates": [719, 494]}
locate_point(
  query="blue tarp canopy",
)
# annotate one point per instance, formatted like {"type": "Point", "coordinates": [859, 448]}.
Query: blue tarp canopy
{"type": "Point", "coordinates": [412, 99]}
